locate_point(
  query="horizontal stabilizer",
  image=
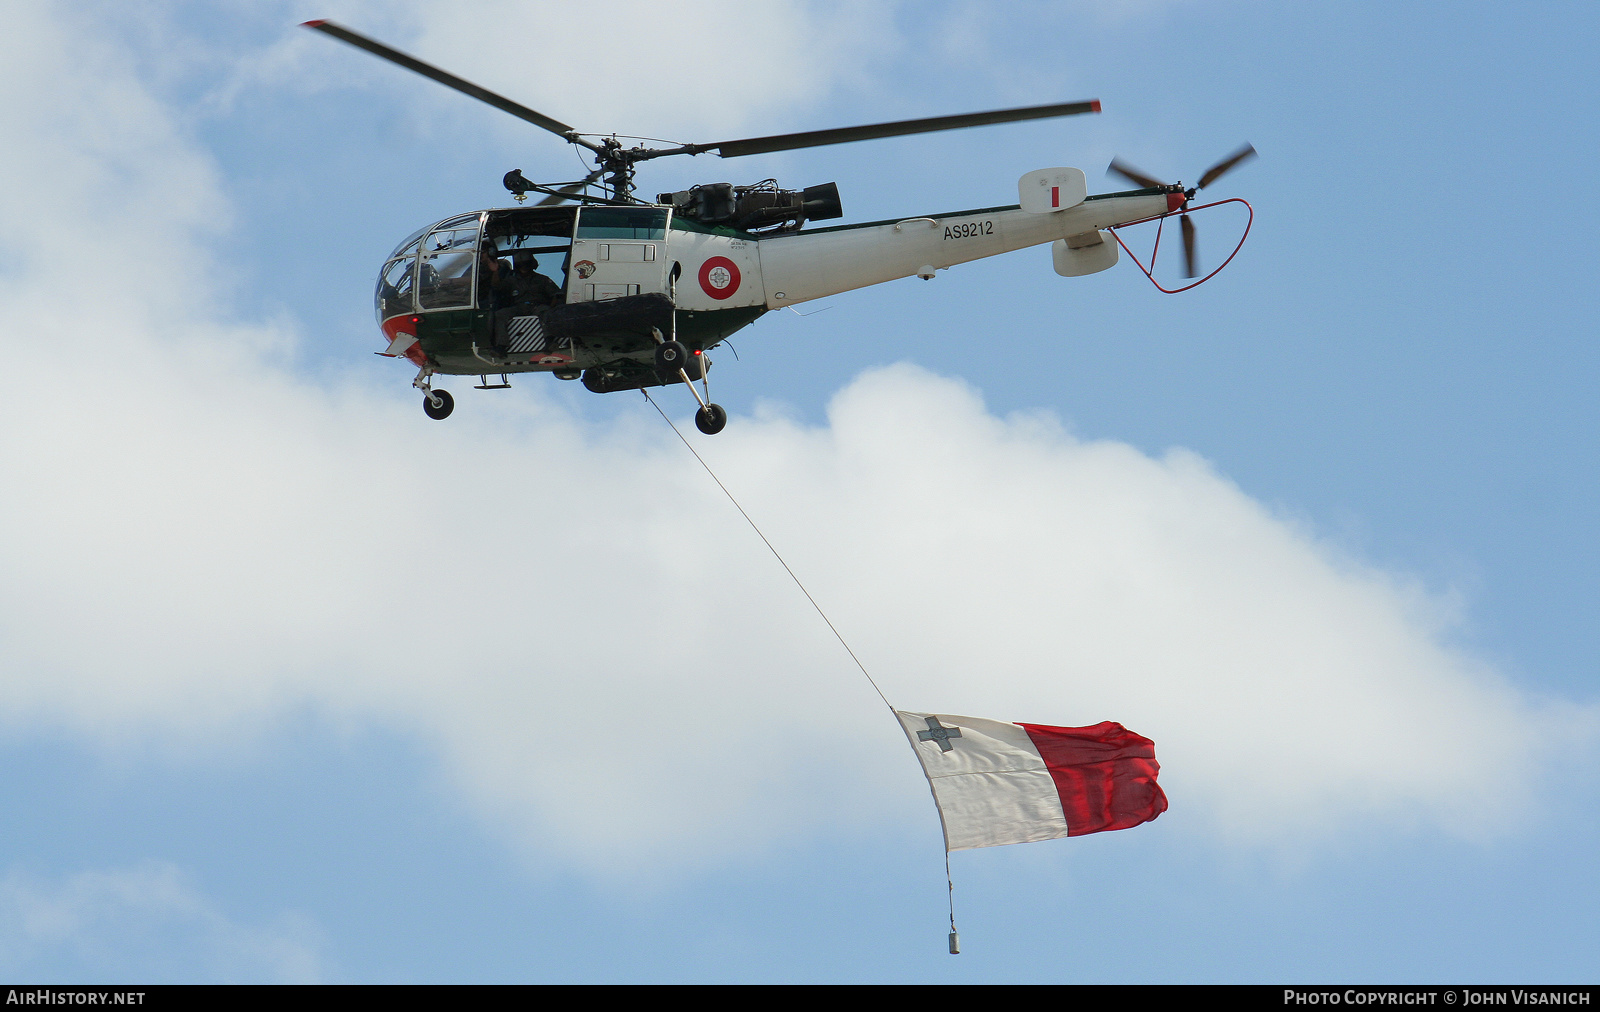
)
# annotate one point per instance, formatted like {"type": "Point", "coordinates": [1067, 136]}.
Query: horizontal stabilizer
{"type": "Point", "coordinates": [1045, 190]}
{"type": "Point", "coordinates": [1088, 253]}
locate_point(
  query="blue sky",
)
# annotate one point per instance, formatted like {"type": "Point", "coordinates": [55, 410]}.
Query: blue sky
{"type": "Point", "coordinates": [297, 684]}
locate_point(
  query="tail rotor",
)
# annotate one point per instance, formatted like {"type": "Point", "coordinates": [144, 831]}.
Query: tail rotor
{"type": "Point", "coordinates": [1191, 259]}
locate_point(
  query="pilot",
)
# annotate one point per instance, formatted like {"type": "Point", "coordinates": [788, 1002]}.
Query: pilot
{"type": "Point", "coordinates": [530, 288]}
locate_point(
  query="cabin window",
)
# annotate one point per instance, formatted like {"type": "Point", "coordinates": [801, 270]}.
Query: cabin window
{"type": "Point", "coordinates": [596, 222]}
{"type": "Point", "coordinates": [546, 232]}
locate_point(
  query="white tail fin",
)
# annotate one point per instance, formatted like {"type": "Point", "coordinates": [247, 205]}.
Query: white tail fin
{"type": "Point", "coordinates": [1045, 190]}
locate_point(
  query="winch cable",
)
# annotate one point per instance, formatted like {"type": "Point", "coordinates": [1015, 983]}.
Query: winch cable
{"type": "Point", "coordinates": [775, 554]}
{"type": "Point", "coordinates": [950, 886]}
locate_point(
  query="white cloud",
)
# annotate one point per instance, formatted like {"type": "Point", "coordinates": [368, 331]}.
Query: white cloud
{"type": "Point", "coordinates": [608, 664]}
{"type": "Point", "coordinates": [144, 924]}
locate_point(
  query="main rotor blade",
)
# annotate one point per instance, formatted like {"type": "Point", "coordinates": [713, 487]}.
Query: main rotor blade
{"type": "Point", "coordinates": [444, 77]}
{"type": "Point", "coordinates": [844, 135]}
{"type": "Point", "coordinates": [1217, 171]}
{"type": "Point", "coordinates": [1191, 258]}
{"type": "Point", "coordinates": [570, 189]}
{"type": "Point", "coordinates": [1132, 174]}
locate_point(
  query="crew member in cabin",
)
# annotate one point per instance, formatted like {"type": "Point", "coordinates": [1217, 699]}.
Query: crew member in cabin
{"type": "Point", "coordinates": [529, 287]}
{"type": "Point", "coordinates": [522, 291]}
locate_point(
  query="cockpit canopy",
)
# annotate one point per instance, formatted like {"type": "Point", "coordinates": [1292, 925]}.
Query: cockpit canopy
{"type": "Point", "coordinates": [447, 253]}
{"type": "Point", "coordinates": [436, 267]}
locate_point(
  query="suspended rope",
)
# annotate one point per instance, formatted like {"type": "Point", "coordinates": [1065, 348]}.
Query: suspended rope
{"type": "Point", "coordinates": [774, 551]}
{"type": "Point", "coordinates": [950, 887]}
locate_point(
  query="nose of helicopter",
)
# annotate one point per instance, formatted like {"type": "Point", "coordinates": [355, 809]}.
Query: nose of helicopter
{"type": "Point", "coordinates": [401, 333]}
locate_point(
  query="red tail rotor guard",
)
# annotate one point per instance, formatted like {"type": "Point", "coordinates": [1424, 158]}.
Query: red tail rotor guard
{"type": "Point", "coordinates": [1157, 247]}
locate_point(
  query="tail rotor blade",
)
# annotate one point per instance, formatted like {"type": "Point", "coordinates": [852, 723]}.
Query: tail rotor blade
{"type": "Point", "coordinates": [1191, 259]}
{"type": "Point", "coordinates": [1229, 163]}
{"type": "Point", "coordinates": [1132, 174]}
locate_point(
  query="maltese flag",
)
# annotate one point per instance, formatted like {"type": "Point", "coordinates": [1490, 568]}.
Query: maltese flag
{"type": "Point", "coordinates": [997, 783]}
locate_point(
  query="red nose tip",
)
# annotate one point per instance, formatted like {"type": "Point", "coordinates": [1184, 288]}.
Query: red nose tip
{"type": "Point", "coordinates": [1175, 201]}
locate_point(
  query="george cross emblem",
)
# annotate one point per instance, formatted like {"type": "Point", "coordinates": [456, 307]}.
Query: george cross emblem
{"type": "Point", "coordinates": [939, 733]}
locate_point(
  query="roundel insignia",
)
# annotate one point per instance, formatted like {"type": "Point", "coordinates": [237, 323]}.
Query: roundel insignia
{"type": "Point", "coordinates": [719, 277]}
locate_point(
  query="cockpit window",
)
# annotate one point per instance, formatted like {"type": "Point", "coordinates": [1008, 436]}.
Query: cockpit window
{"type": "Point", "coordinates": [449, 255]}
{"type": "Point", "coordinates": [394, 288]}
{"type": "Point", "coordinates": [409, 243]}
{"type": "Point", "coordinates": [445, 239]}
{"type": "Point", "coordinates": [622, 223]}
{"type": "Point", "coordinates": [459, 221]}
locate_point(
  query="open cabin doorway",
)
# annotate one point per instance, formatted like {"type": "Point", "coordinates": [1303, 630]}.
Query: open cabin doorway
{"type": "Point", "coordinates": [544, 233]}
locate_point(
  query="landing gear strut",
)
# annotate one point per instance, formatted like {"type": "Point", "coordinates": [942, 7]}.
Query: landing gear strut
{"type": "Point", "coordinates": [672, 357]}
{"type": "Point", "coordinates": [436, 404]}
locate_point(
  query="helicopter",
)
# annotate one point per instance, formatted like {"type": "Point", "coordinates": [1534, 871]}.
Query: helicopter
{"type": "Point", "coordinates": [632, 294]}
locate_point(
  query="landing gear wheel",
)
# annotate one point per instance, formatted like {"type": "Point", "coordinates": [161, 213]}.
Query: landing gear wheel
{"type": "Point", "coordinates": [670, 357]}
{"type": "Point", "coordinates": [711, 419]}
{"type": "Point", "coordinates": [437, 404]}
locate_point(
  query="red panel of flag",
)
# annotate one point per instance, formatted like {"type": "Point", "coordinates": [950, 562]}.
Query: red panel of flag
{"type": "Point", "coordinates": [1105, 774]}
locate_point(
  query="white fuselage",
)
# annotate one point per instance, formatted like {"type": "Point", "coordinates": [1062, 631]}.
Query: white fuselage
{"type": "Point", "coordinates": [718, 279]}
